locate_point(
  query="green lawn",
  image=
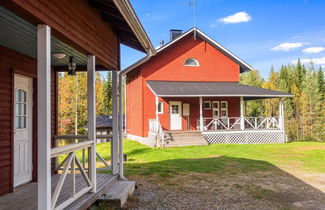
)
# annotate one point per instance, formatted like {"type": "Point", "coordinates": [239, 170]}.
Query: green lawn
{"type": "Point", "coordinates": [142, 160]}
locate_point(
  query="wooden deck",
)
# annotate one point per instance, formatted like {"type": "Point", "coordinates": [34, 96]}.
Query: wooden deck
{"type": "Point", "coordinates": [25, 197]}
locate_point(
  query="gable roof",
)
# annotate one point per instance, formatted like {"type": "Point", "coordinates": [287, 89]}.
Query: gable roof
{"type": "Point", "coordinates": [211, 89]}
{"type": "Point", "coordinates": [243, 65]}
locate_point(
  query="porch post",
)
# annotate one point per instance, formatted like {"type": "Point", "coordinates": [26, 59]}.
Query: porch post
{"type": "Point", "coordinates": [242, 110]}
{"type": "Point", "coordinates": [281, 114]}
{"type": "Point", "coordinates": [91, 119]}
{"type": "Point", "coordinates": [44, 115]}
{"type": "Point", "coordinates": [201, 114]}
{"type": "Point", "coordinates": [121, 157]}
{"type": "Point", "coordinates": [114, 143]}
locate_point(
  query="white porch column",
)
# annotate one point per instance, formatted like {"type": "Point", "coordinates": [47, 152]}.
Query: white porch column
{"type": "Point", "coordinates": [91, 63]}
{"type": "Point", "coordinates": [281, 114]}
{"type": "Point", "coordinates": [242, 114]}
{"type": "Point", "coordinates": [114, 143]}
{"type": "Point", "coordinates": [121, 158]}
{"type": "Point", "coordinates": [201, 114]}
{"type": "Point", "coordinates": [44, 115]}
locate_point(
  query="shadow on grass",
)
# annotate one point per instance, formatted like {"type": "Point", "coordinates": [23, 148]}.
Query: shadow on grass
{"type": "Point", "coordinates": [220, 164]}
{"type": "Point", "coordinates": [258, 179]}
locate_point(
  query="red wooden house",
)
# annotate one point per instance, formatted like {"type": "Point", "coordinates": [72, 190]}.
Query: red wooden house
{"type": "Point", "coordinates": [189, 93]}
{"type": "Point", "coordinates": [38, 39]}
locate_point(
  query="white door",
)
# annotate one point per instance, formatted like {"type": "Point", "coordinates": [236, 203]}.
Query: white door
{"type": "Point", "coordinates": [175, 115]}
{"type": "Point", "coordinates": [23, 130]}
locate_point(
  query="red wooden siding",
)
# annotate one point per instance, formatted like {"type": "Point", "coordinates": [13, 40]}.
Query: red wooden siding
{"type": "Point", "coordinates": [134, 104]}
{"type": "Point", "coordinates": [10, 62]}
{"type": "Point", "coordinates": [75, 21]}
{"type": "Point", "coordinates": [233, 111]}
{"type": "Point", "coordinates": [168, 65]}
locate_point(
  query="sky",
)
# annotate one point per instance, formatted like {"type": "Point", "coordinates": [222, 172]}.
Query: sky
{"type": "Point", "coordinates": [264, 33]}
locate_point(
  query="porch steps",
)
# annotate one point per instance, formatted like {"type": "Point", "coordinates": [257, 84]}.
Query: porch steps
{"type": "Point", "coordinates": [118, 193]}
{"type": "Point", "coordinates": [184, 138]}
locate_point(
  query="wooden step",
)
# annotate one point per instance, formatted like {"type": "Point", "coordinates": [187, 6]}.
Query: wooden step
{"type": "Point", "coordinates": [118, 193]}
{"type": "Point", "coordinates": [184, 138]}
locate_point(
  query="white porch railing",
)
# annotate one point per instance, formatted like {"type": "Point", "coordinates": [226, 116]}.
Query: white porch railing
{"type": "Point", "coordinates": [108, 138]}
{"type": "Point", "coordinates": [70, 163]}
{"type": "Point", "coordinates": [156, 129]}
{"type": "Point", "coordinates": [234, 123]}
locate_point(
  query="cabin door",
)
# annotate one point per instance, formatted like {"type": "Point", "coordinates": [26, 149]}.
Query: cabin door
{"type": "Point", "coordinates": [23, 130]}
{"type": "Point", "coordinates": [175, 115]}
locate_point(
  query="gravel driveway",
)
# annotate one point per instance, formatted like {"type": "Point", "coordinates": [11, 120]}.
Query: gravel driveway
{"type": "Point", "coordinates": [273, 189]}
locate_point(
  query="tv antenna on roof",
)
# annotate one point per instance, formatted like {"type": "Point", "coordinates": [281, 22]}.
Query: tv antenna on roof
{"type": "Point", "coordinates": [193, 4]}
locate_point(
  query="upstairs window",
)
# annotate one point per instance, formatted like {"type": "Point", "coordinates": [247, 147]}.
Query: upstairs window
{"type": "Point", "coordinates": [191, 62]}
{"type": "Point", "coordinates": [160, 108]}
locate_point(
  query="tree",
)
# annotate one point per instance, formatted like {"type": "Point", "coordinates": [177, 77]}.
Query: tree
{"type": "Point", "coordinates": [253, 108]}
{"type": "Point", "coordinates": [108, 94]}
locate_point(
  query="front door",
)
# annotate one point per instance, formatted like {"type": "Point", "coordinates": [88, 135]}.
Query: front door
{"type": "Point", "coordinates": [23, 130]}
{"type": "Point", "coordinates": [175, 115]}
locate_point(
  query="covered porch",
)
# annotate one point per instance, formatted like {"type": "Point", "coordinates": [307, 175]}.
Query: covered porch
{"type": "Point", "coordinates": [217, 110]}
{"type": "Point", "coordinates": [36, 43]}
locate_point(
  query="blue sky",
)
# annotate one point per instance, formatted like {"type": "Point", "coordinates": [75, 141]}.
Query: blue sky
{"type": "Point", "coordinates": [261, 32]}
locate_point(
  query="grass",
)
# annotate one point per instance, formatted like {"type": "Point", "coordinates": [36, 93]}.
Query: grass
{"type": "Point", "coordinates": [143, 160]}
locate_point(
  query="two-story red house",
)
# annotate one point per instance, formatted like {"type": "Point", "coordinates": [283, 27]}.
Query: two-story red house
{"type": "Point", "coordinates": [189, 94]}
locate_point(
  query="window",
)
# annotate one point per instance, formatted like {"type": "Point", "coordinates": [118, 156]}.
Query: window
{"type": "Point", "coordinates": [191, 62]}
{"type": "Point", "coordinates": [215, 109]}
{"type": "Point", "coordinates": [160, 107]}
{"type": "Point", "coordinates": [224, 108]}
{"type": "Point", "coordinates": [21, 109]}
{"type": "Point", "coordinates": [175, 109]}
{"type": "Point", "coordinates": [207, 105]}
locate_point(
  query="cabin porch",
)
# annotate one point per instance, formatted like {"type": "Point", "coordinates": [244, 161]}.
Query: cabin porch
{"type": "Point", "coordinates": [216, 110]}
{"type": "Point", "coordinates": [25, 196]}
{"type": "Point", "coordinates": [36, 172]}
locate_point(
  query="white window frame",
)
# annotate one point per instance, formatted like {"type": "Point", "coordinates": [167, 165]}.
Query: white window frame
{"type": "Point", "coordinates": [20, 115]}
{"type": "Point", "coordinates": [207, 102]}
{"type": "Point", "coordinates": [224, 109]}
{"type": "Point", "coordinates": [162, 107]}
{"type": "Point", "coordinates": [215, 109]}
{"type": "Point", "coordinates": [196, 62]}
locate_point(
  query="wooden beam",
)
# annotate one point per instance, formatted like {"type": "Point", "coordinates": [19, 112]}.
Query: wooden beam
{"type": "Point", "coordinates": [114, 144]}
{"type": "Point", "coordinates": [80, 68]}
{"type": "Point", "coordinates": [44, 115]}
{"type": "Point", "coordinates": [92, 119]}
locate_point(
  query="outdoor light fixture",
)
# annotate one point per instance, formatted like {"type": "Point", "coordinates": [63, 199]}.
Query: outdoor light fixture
{"type": "Point", "coordinates": [58, 55]}
{"type": "Point", "coordinates": [72, 66]}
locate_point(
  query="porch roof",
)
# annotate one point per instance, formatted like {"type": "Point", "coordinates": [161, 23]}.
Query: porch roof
{"type": "Point", "coordinates": [211, 89]}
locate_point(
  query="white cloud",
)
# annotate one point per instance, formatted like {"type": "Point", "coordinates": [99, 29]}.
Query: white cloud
{"type": "Point", "coordinates": [316, 61]}
{"type": "Point", "coordinates": [238, 17]}
{"type": "Point", "coordinates": [288, 46]}
{"type": "Point", "coordinates": [313, 50]}
{"type": "Point", "coordinates": [213, 25]}
{"type": "Point", "coordinates": [295, 37]}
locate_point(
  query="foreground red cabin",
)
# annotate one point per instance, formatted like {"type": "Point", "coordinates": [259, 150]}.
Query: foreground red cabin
{"type": "Point", "coordinates": [37, 40]}
{"type": "Point", "coordinates": [192, 86]}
